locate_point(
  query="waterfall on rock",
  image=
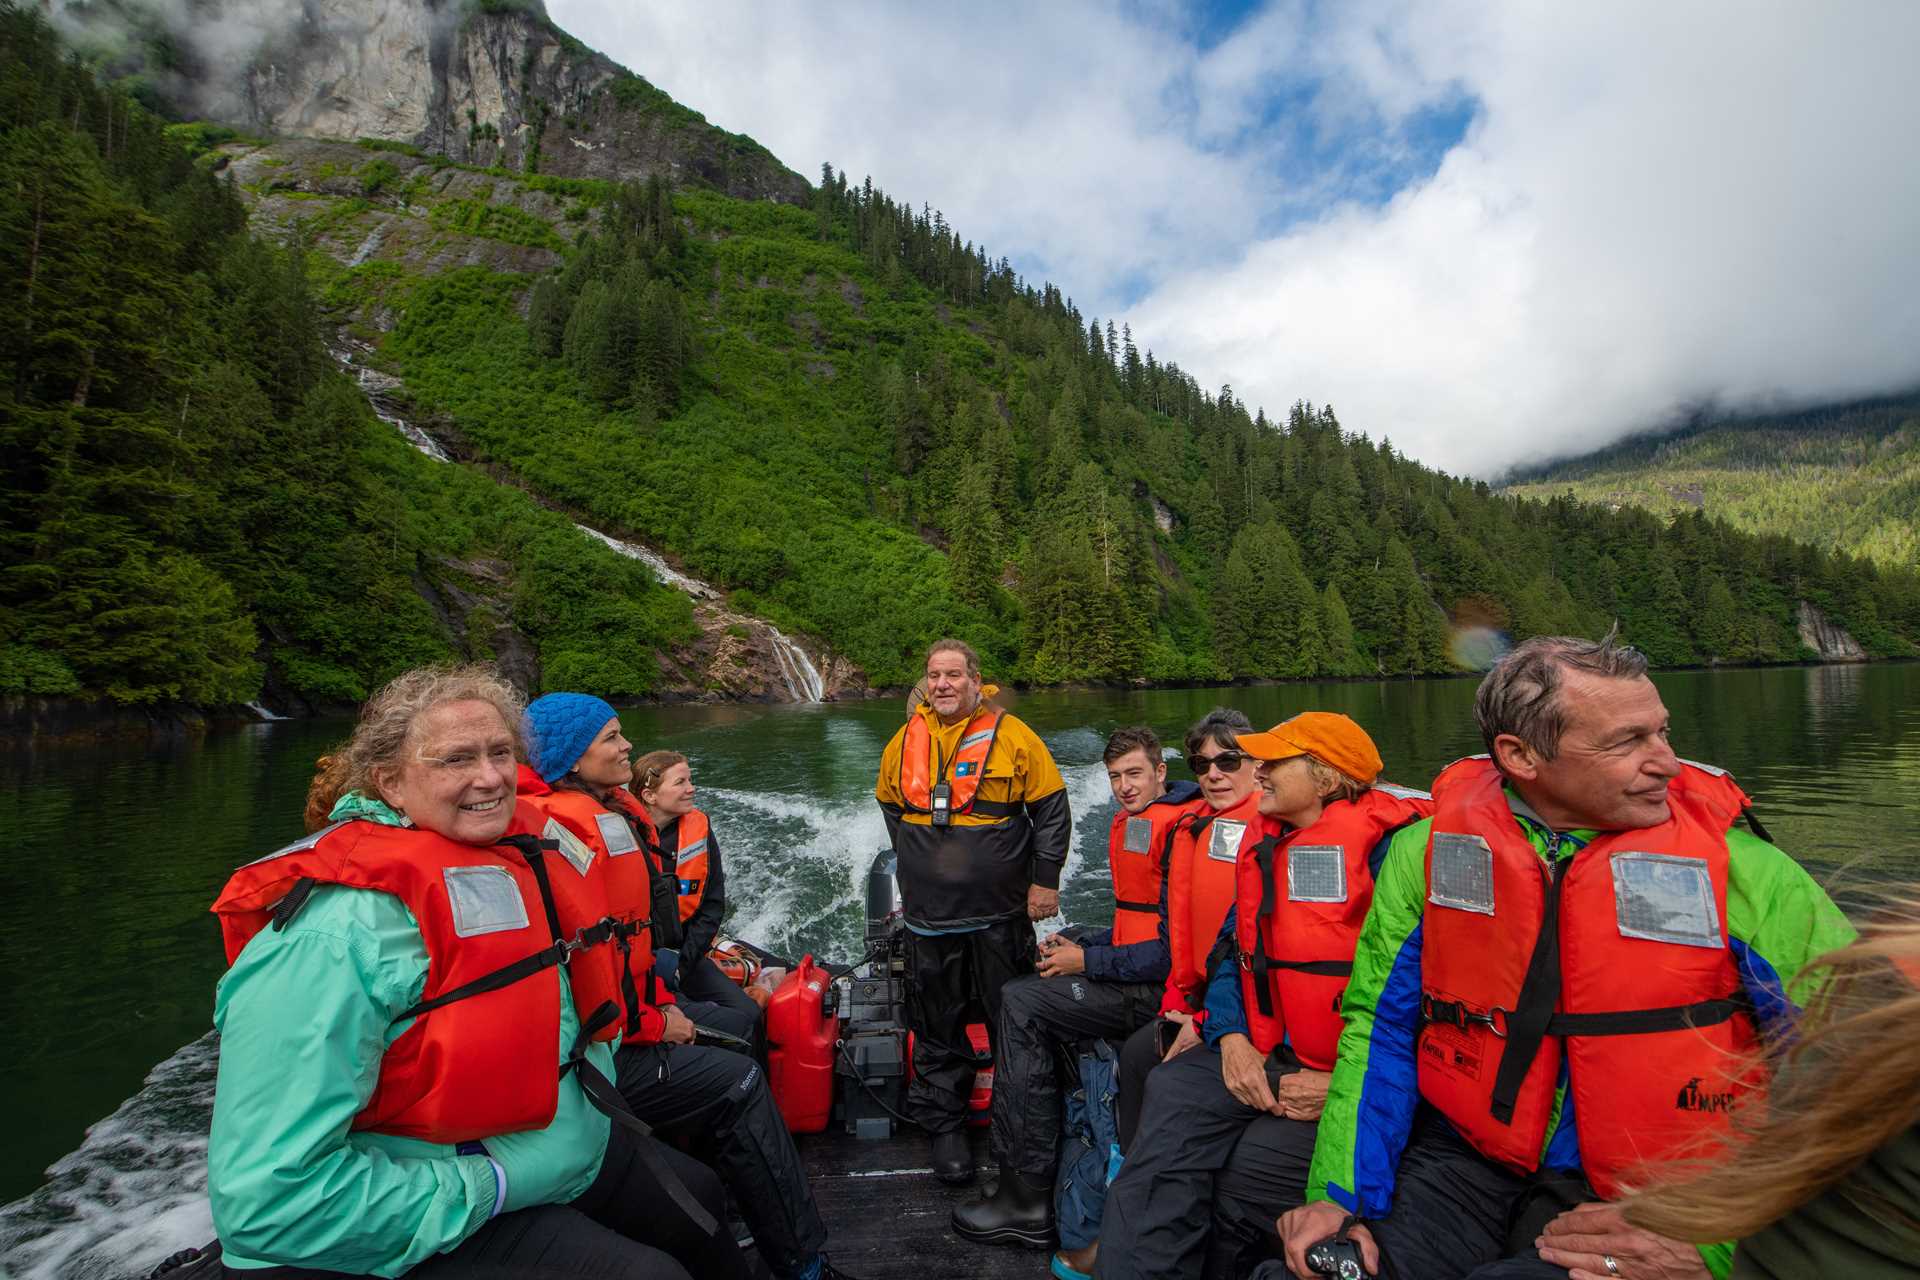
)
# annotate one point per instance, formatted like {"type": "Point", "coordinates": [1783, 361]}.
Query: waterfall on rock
{"type": "Point", "coordinates": [666, 573]}
{"type": "Point", "coordinates": [797, 669]}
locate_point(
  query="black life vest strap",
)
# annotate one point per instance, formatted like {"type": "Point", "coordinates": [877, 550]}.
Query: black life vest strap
{"type": "Point", "coordinates": [1527, 1024]}
{"type": "Point", "coordinates": [505, 976]}
{"type": "Point", "coordinates": [603, 1095]}
{"type": "Point", "coordinates": [1145, 908]}
{"type": "Point", "coordinates": [1639, 1022]}
{"type": "Point", "coordinates": [1265, 854]}
{"type": "Point", "coordinates": [289, 906]}
{"type": "Point", "coordinates": [563, 947]}
{"type": "Point", "coordinates": [1754, 824]}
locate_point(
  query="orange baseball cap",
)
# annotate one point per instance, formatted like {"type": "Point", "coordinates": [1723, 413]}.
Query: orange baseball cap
{"type": "Point", "coordinates": [1327, 736]}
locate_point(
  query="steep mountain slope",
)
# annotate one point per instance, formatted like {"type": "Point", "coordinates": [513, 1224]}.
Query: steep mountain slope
{"type": "Point", "coordinates": [1846, 478]}
{"type": "Point", "coordinates": [848, 417]}
{"type": "Point", "coordinates": [483, 82]}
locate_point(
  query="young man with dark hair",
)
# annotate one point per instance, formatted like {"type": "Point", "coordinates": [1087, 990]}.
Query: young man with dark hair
{"type": "Point", "coordinates": [1106, 984]}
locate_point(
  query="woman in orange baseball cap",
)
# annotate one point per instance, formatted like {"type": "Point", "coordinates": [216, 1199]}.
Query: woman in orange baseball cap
{"type": "Point", "coordinates": [1229, 1135]}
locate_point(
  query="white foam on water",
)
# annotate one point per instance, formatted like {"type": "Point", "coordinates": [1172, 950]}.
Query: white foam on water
{"type": "Point", "coordinates": [774, 846]}
{"type": "Point", "coordinates": [133, 1192]}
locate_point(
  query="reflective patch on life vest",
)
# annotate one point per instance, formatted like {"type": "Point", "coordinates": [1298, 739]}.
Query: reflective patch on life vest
{"type": "Point", "coordinates": [575, 850]}
{"type": "Point", "coordinates": [693, 850]}
{"type": "Point", "coordinates": [974, 740]}
{"type": "Point", "coordinates": [1225, 845]}
{"type": "Point", "coordinates": [301, 845]}
{"type": "Point", "coordinates": [1316, 873]}
{"type": "Point", "coordinates": [1462, 873]}
{"type": "Point", "coordinates": [1399, 792]}
{"type": "Point", "coordinates": [1139, 836]}
{"type": "Point", "coordinates": [485, 900]}
{"type": "Point", "coordinates": [1665, 898]}
{"type": "Point", "coordinates": [615, 834]}
{"type": "Point", "coordinates": [1713, 769]}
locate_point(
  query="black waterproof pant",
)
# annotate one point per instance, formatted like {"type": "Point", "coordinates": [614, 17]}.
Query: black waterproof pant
{"type": "Point", "coordinates": [623, 1227]}
{"type": "Point", "coordinates": [720, 1100]}
{"type": "Point", "coordinates": [1457, 1214]}
{"type": "Point", "coordinates": [1138, 1056]}
{"type": "Point", "coordinates": [1039, 1018]}
{"type": "Point", "coordinates": [1161, 1209]}
{"type": "Point", "coordinates": [703, 985]}
{"type": "Point", "coordinates": [954, 979]}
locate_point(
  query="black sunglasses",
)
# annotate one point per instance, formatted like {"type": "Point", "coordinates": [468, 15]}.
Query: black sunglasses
{"type": "Point", "coordinates": [1226, 762]}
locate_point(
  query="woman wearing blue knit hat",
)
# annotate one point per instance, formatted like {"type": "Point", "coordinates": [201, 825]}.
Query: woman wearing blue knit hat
{"type": "Point", "coordinates": [717, 1098]}
{"type": "Point", "coordinates": [713, 1096]}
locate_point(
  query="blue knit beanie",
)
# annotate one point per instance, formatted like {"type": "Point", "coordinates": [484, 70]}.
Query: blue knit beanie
{"type": "Point", "coordinates": [560, 728]}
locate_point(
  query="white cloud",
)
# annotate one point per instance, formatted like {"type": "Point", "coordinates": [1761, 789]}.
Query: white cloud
{"type": "Point", "coordinates": [1657, 204]}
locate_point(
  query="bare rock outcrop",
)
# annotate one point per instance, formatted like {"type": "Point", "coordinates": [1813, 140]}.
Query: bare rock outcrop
{"type": "Point", "coordinates": [1827, 638]}
{"type": "Point", "coordinates": [483, 82]}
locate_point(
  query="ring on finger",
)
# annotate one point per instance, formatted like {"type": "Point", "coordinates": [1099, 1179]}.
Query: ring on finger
{"type": "Point", "coordinates": [1606, 1260]}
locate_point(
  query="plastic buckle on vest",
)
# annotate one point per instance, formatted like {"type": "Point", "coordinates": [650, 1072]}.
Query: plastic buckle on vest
{"type": "Point", "coordinates": [1455, 1014]}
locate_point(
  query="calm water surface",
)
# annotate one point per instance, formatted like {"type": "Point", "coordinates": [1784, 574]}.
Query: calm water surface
{"type": "Point", "coordinates": [113, 853]}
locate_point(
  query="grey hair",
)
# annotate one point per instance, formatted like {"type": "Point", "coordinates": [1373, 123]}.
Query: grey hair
{"type": "Point", "coordinates": [961, 647]}
{"type": "Point", "coordinates": [386, 726]}
{"type": "Point", "coordinates": [1521, 695]}
{"type": "Point", "coordinates": [1222, 724]}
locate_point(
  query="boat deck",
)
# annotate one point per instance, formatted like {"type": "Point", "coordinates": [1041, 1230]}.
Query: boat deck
{"type": "Point", "coordinates": [887, 1214]}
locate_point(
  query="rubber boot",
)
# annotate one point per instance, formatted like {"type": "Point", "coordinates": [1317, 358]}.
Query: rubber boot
{"type": "Point", "coordinates": [1019, 1212]}
{"type": "Point", "coordinates": [952, 1158]}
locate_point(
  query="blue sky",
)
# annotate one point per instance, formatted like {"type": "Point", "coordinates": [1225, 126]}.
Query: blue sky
{"type": "Point", "coordinates": [1493, 232]}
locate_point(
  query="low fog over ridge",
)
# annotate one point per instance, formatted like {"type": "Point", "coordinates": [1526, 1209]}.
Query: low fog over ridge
{"type": "Point", "coordinates": [1653, 207]}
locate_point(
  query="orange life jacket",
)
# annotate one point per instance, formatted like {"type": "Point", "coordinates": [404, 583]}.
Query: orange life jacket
{"type": "Point", "coordinates": [1296, 938]}
{"type": "Point", "coordinates": [626, 879]}
{"type": "Point", "coordinates": [920, 772]}
{"type": "Point", "coordinates": [691, 860]}
{"type": "Point", "coordinates": [1135, 858]}
{"type": "Point", "coordinates": [478, 1058]}
{"type": "Point", "coordinates": [1635, 983]}
{"type": "Point", "coordinates": [1202, 850]}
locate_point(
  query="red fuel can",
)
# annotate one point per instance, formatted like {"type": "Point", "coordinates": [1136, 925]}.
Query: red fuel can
{"type": "Point", "coordinates": [800, 1039]}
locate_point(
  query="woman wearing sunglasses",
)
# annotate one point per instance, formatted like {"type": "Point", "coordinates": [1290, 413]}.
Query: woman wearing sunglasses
{"type": "Point", "coordinates": [1196, 894]}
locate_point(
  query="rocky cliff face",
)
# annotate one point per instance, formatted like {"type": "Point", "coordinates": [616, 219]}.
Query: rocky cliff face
{"type": "Point", "coordinates": [481, 82]}
{"type": "Point", "coordinates": [1826, 638]}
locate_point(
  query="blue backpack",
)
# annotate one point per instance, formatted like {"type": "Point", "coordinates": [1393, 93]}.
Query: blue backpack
{"type": "Point", "coordinates": [1089, 1146]}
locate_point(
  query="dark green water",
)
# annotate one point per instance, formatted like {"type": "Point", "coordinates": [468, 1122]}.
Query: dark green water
{"type": "Point", "coordinates": [112, 854]}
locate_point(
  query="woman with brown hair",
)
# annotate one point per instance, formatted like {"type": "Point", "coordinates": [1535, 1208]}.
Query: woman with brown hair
{"type": "Point", "coordinates": [1826, 1180]}
{"type": "Point", "coordinates": [663, 780]}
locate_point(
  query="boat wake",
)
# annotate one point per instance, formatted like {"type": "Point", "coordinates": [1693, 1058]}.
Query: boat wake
{"type": "Point", "coordinates": [134, 1191]}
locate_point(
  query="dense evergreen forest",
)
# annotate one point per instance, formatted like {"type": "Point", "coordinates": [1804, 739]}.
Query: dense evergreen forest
{"type": "Point", "coordinates": [859, 423]}
{"type": "Point", "coordinates": [193, 497]}
{"type": "Point", "coordinates": [1844, 477]}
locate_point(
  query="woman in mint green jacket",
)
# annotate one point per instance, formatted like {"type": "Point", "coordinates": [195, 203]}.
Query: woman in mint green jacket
{"type": "Point", "coordinates": [309, 1008]}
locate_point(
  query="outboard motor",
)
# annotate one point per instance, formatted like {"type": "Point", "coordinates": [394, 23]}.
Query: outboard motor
{"type": "Point", "coordinates": [873, 1061]}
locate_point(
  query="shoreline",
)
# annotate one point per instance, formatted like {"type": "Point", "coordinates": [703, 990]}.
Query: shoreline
{"type": "Point", "coordinates": [30, 720]}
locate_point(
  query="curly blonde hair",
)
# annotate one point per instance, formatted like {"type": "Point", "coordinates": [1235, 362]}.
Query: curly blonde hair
{"type": "Point", "coordinates": [386, 728]}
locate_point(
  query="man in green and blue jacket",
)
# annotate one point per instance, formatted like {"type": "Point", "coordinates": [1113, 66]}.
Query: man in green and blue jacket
{"type": "Point", "coordinates": [1580, 735]}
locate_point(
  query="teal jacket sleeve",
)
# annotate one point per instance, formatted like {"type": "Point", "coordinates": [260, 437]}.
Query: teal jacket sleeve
{"type": "Point", "coordinates": [304, 1016]}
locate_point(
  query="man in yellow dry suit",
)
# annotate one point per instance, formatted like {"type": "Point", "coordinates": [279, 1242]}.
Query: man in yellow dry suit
{"type": "Point", "coordinates": [979, 822]}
